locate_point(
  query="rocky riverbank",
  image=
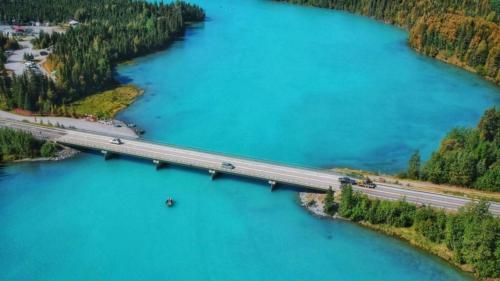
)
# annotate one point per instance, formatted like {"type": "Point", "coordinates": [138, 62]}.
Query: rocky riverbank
{"type": "Point", "coordinates": [63, 153]}
{"type": "Point", "coordinates": [314, 203]}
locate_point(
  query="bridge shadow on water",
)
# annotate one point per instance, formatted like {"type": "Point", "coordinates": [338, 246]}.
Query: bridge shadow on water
{"type": "Point", "coordinates": [260, 182]}
{"type": "Point", "coordinates": [204, 172]}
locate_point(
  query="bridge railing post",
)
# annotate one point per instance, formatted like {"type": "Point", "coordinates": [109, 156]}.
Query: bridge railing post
{"type": "Point", "coordinates": [159, 164]}
{"type": "Point", "coordinates": [213, 174]}
{"type": "Point", "coordinates": [108, 155]}
{"type": "Point", "coordinates": [273, 184]}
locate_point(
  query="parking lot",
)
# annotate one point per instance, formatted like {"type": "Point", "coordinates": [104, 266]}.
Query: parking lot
{"type": "Point", "coordinates": [15, 59]}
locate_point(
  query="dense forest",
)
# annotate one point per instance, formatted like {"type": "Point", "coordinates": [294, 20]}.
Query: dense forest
{"type": "Point", "coordinates": [467, 157]}
{"type": "Point", "coordinates": [16, 145]}
{"type": "Point", "coordinates": [464, 33]}
{"type": "Point", "coordinates": [52, 11]}
{"type": "Point", "coordinates": [472, 234]}
{"type": "Point", "coordinates": [6, 44]}
{"type": "Point", "coordinates": [84, 57]}
{"type": "Point", "coordinates": [45, 40]}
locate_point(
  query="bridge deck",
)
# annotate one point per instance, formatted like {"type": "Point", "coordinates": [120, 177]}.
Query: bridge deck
{"type": "Point", "coordinates": [281, 174]}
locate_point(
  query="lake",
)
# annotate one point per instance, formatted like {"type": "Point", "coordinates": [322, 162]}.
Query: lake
{"type": "Point", "coordinates": [298, 85]}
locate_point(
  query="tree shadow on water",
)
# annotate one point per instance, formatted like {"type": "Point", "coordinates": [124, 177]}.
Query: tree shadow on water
{"type": "Point", "coordinates": [123, 79]}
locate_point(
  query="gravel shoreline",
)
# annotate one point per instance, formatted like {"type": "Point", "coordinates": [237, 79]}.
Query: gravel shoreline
{"type": "Point", "coordinates": [313, 203]}
{"type": "Point", "coordinates": [65, 153]}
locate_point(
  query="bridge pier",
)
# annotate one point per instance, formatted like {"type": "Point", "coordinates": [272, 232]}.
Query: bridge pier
{"type": "Point", "coordinates": [108, 155]}
{"type": "Point", "coordinates": [159, 164]}
{"type": "Point", "coordinates": [273, 184]}
{"type": "Point", "coordinates": [213, 174]}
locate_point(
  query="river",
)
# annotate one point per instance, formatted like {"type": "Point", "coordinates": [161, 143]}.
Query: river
{"type": "Point", "coordinates": [261, 79]}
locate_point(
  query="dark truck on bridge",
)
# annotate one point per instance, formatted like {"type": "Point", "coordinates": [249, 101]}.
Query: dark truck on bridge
{"type": "Point", "coordinates": [363, 183]}
{"type": "Point", "coordinates": [116, 141]}
{"type": "Point", "coordinates": [227, 165]}
{"type": "Point", "coordinates": [346, 180]}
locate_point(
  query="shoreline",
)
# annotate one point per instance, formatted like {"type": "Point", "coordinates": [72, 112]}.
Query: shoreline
{"type": "Point", "coordinates": [65, 153]}
{"type": "Point", "coordinates": [440, 56]}
{"type": "Point", "coordinates": [108, 103]}
{"type": "Point", "coordinates": [77, 123]}
{"type": "Point", "coordinates": [406, 235]}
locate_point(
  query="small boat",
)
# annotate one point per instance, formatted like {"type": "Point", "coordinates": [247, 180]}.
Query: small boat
{"type": "Point", "coordinates": [169, 202]}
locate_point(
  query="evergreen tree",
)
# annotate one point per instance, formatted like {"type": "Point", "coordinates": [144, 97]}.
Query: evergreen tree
{"type": "Point", "coordinates": [346, 201]}
{"type": "Point", "coordinates": [17, 145]}
{"type": "Point", "coordinates": [329, 206]}
{"type": "Point", "coordinates": [84, 58]}
{"type": "Point", "coordinates": [489, 125]}
{"type": "Point", "coordinates": [473, 235]}
{"type": "Point", "coordinates": [414, 166]}
{"type": "Point", "coordinates": [48, 149]}
{"type": "Point", "coordinates": [467, 157]}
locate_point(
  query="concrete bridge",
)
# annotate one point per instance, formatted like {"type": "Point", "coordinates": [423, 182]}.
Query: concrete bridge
{"type": "Point", "coordinates": [273, 174]}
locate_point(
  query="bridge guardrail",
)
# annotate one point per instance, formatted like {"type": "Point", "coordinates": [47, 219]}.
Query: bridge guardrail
{"type": "Point", "coordinates": [204, 164]}
{"type": "Point", "coordinates": [312, 169]}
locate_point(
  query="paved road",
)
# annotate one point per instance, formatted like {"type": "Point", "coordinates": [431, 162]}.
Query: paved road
{"type": "Point", "coordinates": [307, 178]}
{"type": "Point", "coordinates": [78, 124]}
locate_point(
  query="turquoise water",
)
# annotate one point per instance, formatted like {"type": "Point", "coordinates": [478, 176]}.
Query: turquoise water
{"type": "Point", "coordinates": [89, 220]}
{"type": "Point", "coordinates": [280, 82]}
{"type": "Point", "coordinates": [303, 85]}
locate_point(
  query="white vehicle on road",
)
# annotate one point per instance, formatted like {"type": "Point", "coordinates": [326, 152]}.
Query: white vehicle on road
{"type": "Point", "coordinates": [30, 64]}
{"type": "Point", "coordinates": [116, 141]}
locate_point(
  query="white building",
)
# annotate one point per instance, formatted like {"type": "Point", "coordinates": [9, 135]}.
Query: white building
{"type": "Point", "coordinates": [73, 23]}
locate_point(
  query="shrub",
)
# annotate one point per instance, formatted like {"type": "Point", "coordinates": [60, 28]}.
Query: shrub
{"type": "Point", "coordinates": [48, 149]}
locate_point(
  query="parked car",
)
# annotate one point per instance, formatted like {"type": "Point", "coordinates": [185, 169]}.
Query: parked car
{"type": "Point", "coordinates": [29, 64]}
{"type": "Point", "coordinates": [227, 165]}
{"type": "Point", "coordinates": [116, 141]}
{"type": "Point", "coordinates": [43, 53]}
